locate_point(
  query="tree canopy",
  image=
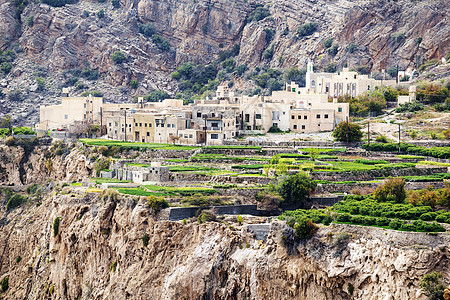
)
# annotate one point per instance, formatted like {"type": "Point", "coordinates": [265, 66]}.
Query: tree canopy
{"type": "Point", "coordinates": [353, 130]}
{"type": "Point", "coordinates": [296, 188]}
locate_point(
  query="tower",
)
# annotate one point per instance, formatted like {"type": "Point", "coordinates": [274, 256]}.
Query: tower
{"type": "Point", "coordinates": [309, 71]}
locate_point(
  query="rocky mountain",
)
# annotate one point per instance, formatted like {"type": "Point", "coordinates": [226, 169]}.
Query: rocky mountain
{"type": "Point", "coordinates": [72, 45]}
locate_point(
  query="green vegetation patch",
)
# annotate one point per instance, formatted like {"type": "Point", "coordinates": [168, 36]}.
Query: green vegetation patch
{"type": "Point", "coordinates": [190, 168]}
{"type": "Point", "coordinates": [184, 191]}
{"type": "Point", "coordinates": [248, 167]}
{"type": "Point", "coordinates": [99, 180]}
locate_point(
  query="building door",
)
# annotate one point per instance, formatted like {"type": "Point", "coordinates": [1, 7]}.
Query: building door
{"type": "Point", "coordinates": [136, 136]}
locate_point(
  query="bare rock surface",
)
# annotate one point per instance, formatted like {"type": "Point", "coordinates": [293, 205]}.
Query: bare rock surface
{"type": "Point", "coordinates": [98, 253]}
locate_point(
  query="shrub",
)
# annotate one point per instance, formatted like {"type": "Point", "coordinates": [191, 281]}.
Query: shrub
{"type": "Point", "coordinates": [395, 224]}
{"type": "Point", "coordinates": [115, 3]}
{"type": "Point", "coordinates": [56, 226]}
{"type": "Point", "coordinates": [383, 221]}
{"type": "Point", "coordinates": [408, 227]}
{"type": "Point", "coordinates": [93, 93]}
{"type": "Point", "coordinates": [58, 3]}
{"type": "Point", "coordinates": [109, 195]}
{"type": "Point", "coordinates": [113, 267]}
{"type": "Point", "coordinates": [118, 57]}
{"type": "Point", "coordinates": [160, 42]}
{"type": "Point", "coordinates": [352, 48]}
{"type": "Point", "coordinates": [5, 67]}
{"type": "Point", "coordinates": [101, 14]}
{"type": "Point", "coordinates": [429, 216]}
{"type": "Point", "coordinates": [258, 14]}
{"type": "Point", "coordinates": [393, 188]}
{"type": "Point", "coordinates": [15, 201]}
{"type": "Point", "coordinates": [5, 284]}
{"type": "Point", "coordinates": [333, 50]}
{"type": "Point", "coordinates": [240, 220]}
{"type": "Point", "coordinates": [206, 216]}
{"type": "Point", "coordinates": [304, 227]}
{"type": "Point", "coordinates": [147, 29]}
{"type": "Point", "coordinates": [145, 240]}
{"type": "Point", "coordinates": [30, 21]}
{"type": "Point", "coordinates": [157, 203]}
{"type": "Point", "coordinates": [343, 218]}
{"type": "Point", "coordinates": [240, 70]}
{"type": "Point", "coordinates": [134, 84]}
{"type": "Point", "coordinates": [307, 29]}
{"type": "Point", "coordinates": [433, 285]}
{"type": "Point", "coordinates": [328, 43]}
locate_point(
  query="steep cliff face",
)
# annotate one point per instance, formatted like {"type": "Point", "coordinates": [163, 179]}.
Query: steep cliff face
{"type": "Point", "coordinates": [98, 253]}
{"type": "Point", "coordinates": [20, 167]}
{"type": "Point", "coordinates": [57, 40]}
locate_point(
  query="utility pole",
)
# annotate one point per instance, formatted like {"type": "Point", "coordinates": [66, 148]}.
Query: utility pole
{"type": "Point", "coordinates": [396, 78]}
{"type": "Point", "coordinates": [347, 131]}
{"type": "Point", "coordinates": [101, 121]}
{"type": "Point", "coordinates": [398, 137]}
{"type": "Point", "coordinates": [125, 125]}
{"type": "Point", "coordinates": [205, 117]}
{"type": "Point", "coordinates": [368, 135]}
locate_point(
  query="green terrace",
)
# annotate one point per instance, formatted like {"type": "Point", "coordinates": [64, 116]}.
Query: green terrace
{"type": "Point", "coordinates": [215, 157]}
{"type": "Point", "coordinates": [365, 211]}
{"type": "Point", "coordinates": [135, 145]}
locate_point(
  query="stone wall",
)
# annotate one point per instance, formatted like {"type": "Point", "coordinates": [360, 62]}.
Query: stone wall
{"type": "Point", "coordinates": [347, 188]}
{"type": "Point", "coordinates": [372, 174]}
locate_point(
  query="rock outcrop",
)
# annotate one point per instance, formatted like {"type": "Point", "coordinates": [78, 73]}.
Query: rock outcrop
{"type": "Point", "coordinates": [97, 252]}
{"type": "Point", "coordinates": [58, 40]}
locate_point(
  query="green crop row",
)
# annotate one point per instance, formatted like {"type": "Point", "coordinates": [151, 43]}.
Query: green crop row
{"type": "Point", "coordinates": [367, 206]}
{"type": "Point", "coordinates": [184, 191]}
{"type": "Point", "coordinates": [439, 152]}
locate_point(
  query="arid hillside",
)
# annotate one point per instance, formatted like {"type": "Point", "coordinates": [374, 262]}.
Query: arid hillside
{"type": "Point", "coordinates": [72, 45]}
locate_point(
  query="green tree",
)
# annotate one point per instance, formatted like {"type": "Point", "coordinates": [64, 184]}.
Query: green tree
{"type": "Point", "coordinates": [118, 57]}
{"type": "Point", "coordinates": [347, 131]}
{"type": "Point", "coordinates": [296, 188]}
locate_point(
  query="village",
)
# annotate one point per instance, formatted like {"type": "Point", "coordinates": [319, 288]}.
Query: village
{"type": "Point", "coordinates": [310, 109]}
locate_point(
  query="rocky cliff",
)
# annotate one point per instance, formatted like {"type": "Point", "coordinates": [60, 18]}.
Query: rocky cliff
{"type": "Point", "coordinates": [54, 41]}
{"type": "Point", "coordinates": [97, 252]}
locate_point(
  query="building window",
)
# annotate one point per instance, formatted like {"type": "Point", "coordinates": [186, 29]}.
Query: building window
{"type": "Point", "coordinates": [145, 124]}
{"type": "Point", "coordinates": [318, 116]}
{"type": "Point", "coordinates": [214, 124]}
{"type": "Point", "coordinates": [368, 87]}
{"type": "Point", "coordinates": [140, 124]}
{"type": "Point", "coordinates": [190, 136]}
{"type": "Point", "coordinates": [354, 76]}
{"type": "Point", "coordinates": [247, 118]}
{"type": "Point", "coordinates": [173, 125]}
{"type": "Point", "coordinates": [303, 126]}
{"type": "Point", "coordinates": [199, 114]}
{"type": "Point", "coordinates": [339, 109]}
{"type": "Point", "coordinates": [258, 116]}
{"type": "Point", "coordinates": [85, 116]}
{"type": "Point", "coordinates": [85, 105]}
{"type": "Point", "coordinates": [162, 125]}
{"type": "Point", "coordinates": [313, 83]}
{"type": "Point", "coordinates": [275, 115]}
{"type": "Point", "coordinates": [214, 136]}
{"type": "Point", "coordinates": [326, 116]}
{"type": "Point", "coordinates": [299, 117]}
{"type": "Point", "coordinates": [67, 116]}
{"type": "Point", "coordinates": [249, 127]}
{"type": "Point", "coordinates": [292, 117]}
{"type": "Point", "coordinates": [305, 117]}
{"type": "Point", "coordinates": [293, 89]}
{"type": "Point", "coordinates": [148, 133]}
{"type": "Point", "coordinates": [136, 124]}
{"type": "Point", "coordinates": [295, 126]}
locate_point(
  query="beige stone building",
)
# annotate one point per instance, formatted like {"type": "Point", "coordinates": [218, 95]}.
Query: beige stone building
{"type": "Point", "coordinates": [339, 84]}
{"type": "Point", "coordinates": [71, 109]}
